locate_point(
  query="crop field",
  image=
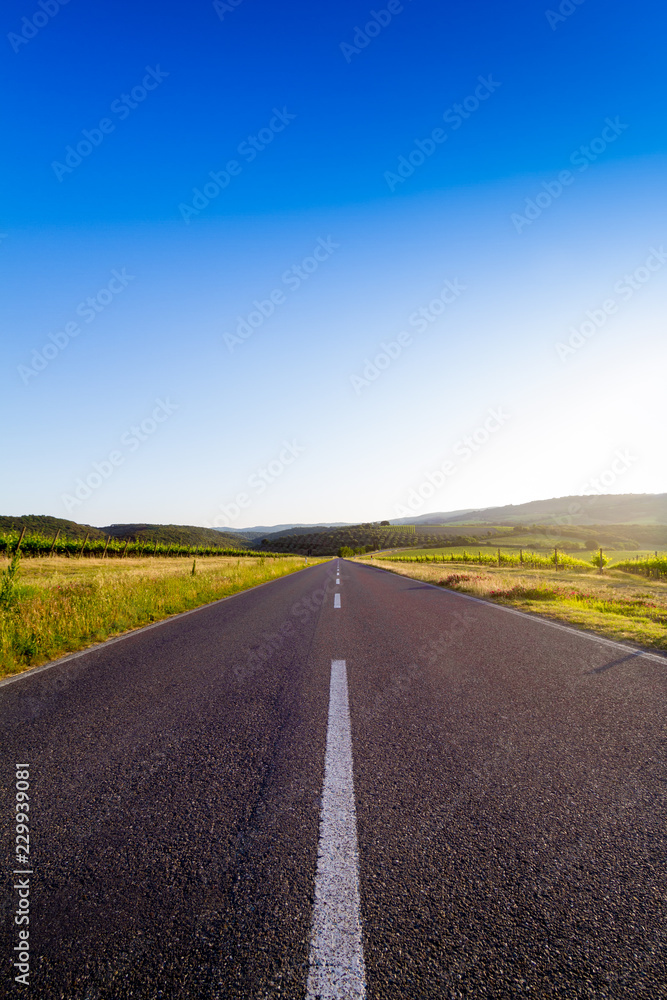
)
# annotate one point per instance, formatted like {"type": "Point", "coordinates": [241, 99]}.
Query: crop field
{"type": "Point", "coordinates": [490, 556]}
{"type": "Point", "coordinates": [41, 545]}
{"type": "Point", "coordinates": [52, 606]}
{"type": "Point", "coordinates": [617, 604]}
{"type": "Point", "coordinates": [631, 560]}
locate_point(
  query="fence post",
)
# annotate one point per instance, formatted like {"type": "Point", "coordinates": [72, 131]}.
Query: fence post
{"type": "Point", "coordinates": [104, 554]}
{"type": "Point", "coordinates": [84, 544]}
{"type": "Point", "coordinates": [556, 557]}
{"type": "Point", "coordinates": [125, 549]}
{"type": "Point", "coordinates": [18, 544]}
{"type": "Point", "coordinates": [521, 556]}
{"type": "Point", "coordinates": [53, 544]}
{"type": "Point", "coordinates": [600, 560]}
{"type": "Point", "coordinates": [499, 557]}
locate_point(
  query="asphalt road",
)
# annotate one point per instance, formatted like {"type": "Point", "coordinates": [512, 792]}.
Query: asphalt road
{"type": "Point", "coordinates": [510, 785]}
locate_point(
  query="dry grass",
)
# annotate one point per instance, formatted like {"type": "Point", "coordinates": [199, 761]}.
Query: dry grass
{"type": "Point", "coordinates": [62, 605]}
{"type": "Point", "coordinates": [616, 605]}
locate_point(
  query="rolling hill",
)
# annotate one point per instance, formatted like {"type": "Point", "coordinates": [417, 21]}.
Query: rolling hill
{"type": "Point", "coordinates": [176, 534]}
{"type": "Point", "coordinates": [628, 508]}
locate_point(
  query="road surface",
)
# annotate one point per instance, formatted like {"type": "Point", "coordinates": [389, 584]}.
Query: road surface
{"type": "Point", "coordinates": [490, 821]}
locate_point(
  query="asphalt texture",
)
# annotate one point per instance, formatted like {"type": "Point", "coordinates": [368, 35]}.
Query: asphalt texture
{"type": "Point", "coordinates": [510, 783]}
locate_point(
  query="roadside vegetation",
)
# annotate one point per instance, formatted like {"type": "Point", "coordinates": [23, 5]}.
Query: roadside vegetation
{"type": "Point", "coordinates": [53, 606]}
{"type": "Point", "coordinates": [626, 602]}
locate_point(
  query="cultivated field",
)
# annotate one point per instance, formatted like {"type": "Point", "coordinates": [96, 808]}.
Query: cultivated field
{"type": "Point", "coordinates": [56, 605]}
{"type": "Point", "coordinates": [511, 555]}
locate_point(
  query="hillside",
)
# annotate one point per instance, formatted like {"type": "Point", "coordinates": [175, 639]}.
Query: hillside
{"type": "Point", "coordinates": [626, 521]}
{"type": "Point", "coordinates": [44, 524]}
{"type": "Point", "coordinates": [262, 531]}
{"type": "Point", "coordinates": [438, 518]}
{"type": "Point", "coordinates": [368, 536]}
{"type": "Point", "coordinates": [610, 509]}
{"type": "Point", "coordinates": [175, 534]}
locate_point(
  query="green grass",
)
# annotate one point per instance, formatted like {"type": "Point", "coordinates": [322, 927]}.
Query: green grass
{"type": "Point", "coordinates": [57, 605]}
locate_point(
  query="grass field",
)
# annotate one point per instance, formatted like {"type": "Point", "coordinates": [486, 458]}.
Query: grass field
{"type": "Point", "coordinates": [614, 604]}
{"type": "Point", "coordinates": [58, 605]}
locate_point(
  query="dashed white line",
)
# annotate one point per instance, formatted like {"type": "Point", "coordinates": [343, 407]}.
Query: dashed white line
{"type": "Point", "coordinates": [336, 600]}
{"type": "Point", "coordinates": [337, 970]}
{"type": "Point", "coordinates": [338, 580]}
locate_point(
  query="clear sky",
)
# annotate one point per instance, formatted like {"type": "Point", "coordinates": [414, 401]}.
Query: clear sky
{"type": "Point", "coordinates": [310, 262]}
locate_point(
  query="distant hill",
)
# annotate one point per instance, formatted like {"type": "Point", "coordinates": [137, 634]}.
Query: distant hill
{"type": "Point", "coordinates": [627, 508]}
{"type": "Point", "coordinates": [435, 518]}
{"type": "Point", "coordinates": [44, 524]}
{"type": "Point", "coordinates": [260, 531]}
{"type": "Point", "coordinates": [176, 534]}
{"type": "Point", "coordinates": [625, 520]}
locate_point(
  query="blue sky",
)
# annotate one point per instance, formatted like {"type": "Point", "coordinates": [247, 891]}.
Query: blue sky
{"type": "Point", "coordinates": [515, 156]}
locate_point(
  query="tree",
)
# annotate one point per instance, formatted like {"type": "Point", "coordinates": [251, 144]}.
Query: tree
{"type": "Point", "coordinates": [385, 524]}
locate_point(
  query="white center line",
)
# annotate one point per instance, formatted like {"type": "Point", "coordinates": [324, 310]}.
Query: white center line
{"type": "Point", "coordinates": [337, 579]}
{"type": "Point", "coordinates": [337, 970]}
{"type": "Point", "coordinates": [336, 600]}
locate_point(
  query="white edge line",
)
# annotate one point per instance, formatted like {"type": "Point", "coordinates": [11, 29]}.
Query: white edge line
{"type": "Point", "coordinates": [533, 618]}
{"type": "Point", "coordinates": [136, 631]}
